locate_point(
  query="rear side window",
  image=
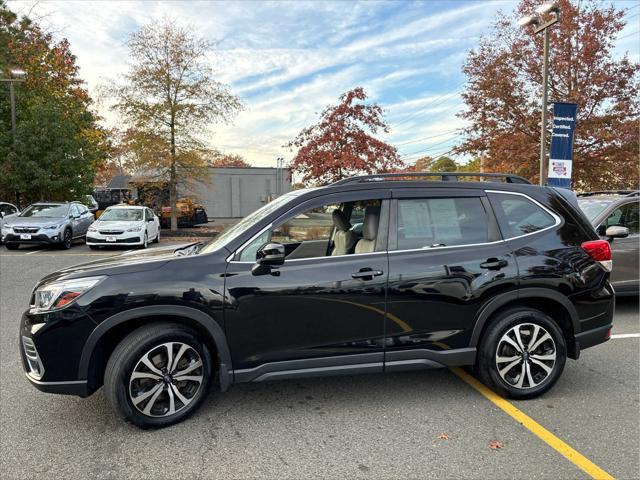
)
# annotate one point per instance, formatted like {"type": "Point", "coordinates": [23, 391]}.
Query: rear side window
{"type": "Point", "coordinates": [517, 215]}
{"type": "Point", "coordinates": [440, 222]}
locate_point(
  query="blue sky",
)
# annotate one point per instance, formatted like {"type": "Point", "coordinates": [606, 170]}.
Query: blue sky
{"type": "Point", "coordinates": [288, 60]}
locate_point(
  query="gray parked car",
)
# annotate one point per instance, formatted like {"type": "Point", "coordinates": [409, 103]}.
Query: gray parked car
{"type": "Point", "coordinates": [614, 214]}
{"type": "Point", "coordinates": [48, 223]}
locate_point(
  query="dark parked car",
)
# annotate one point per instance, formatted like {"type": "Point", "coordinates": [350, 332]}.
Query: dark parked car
{"type": "Point", "coordinates": [47, 223]}
{"type": "Point", "coordinates": [7, 211]}
{"type": "Point", "coordinates": [614, 215]}
{"type": "Point", "coordinates": [504, 275]}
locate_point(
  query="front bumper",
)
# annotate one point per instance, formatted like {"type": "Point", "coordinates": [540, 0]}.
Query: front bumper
{"type": "Point", "coordinates": [54, 237]}
{"type": "Point", "coordinates": [126, 238]}
{"type": "Point", "coordinates": [51, 347]}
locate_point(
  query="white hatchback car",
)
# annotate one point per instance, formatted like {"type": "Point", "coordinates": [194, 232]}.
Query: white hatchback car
{"type": "Point", "coordinates": [127, 225]}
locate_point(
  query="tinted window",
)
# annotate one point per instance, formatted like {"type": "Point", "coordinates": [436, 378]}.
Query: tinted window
{"type": "Point", "coordinates": [439, 222]}
{"type": "Point", "coordinates": [517, 215]}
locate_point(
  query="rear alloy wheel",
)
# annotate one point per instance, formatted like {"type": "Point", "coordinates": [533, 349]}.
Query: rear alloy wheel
{"type": "Point", "coordinates": [67, 239]}
{"type": "Point", "coordinates": [522, 353]}
{"type": "Point", "coordinates": [158, 375]}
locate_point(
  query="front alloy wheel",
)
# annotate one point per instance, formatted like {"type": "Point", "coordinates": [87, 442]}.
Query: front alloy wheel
{"type": "Point", "coordinates": [166, 379]}
{"type": "Point", "coordinates": [158, 375]}
{"type": "Point", "coordinates": [67, 239]}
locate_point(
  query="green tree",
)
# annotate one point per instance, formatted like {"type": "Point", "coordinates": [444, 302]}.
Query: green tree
{"type": "Point", "coordinates": [167, 99]}
{"type": "Point", "coordinates": [58, 144]}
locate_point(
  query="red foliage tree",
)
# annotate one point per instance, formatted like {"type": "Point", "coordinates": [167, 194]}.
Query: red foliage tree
{"type": "Point", "coordinates": [229, 160]}
{"type": "Point", "coordinates": [503, 95]}
{"type": "Point", "coordinates": [341, 144]}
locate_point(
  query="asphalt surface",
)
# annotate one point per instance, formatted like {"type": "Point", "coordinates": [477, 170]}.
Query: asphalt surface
{"type": "Point", "coordinates": [371, 426]}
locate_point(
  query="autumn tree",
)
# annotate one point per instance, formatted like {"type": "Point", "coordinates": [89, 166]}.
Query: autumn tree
{"type": "Point", "coordinates": [503, 100]}
{"type": "Point", "coordinates": [342, 143]}
{"type": "Point", "coordinates": [438, 164]}
{"type": "Point", "coordinates": [167, 99]}
{"type": "Point", "coordinates": [229, 160]}
{"type": "Point", "coordinates": [58, 144]}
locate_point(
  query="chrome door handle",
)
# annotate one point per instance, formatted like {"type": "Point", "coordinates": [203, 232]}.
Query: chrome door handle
{"type": "Point", "coordinates": [366, 273]}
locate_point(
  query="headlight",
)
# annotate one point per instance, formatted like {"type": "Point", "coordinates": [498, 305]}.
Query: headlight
{"type": "Point", "coordinates": [6, 228]}
{"type": "Point", "coordinates": [54, 296]}
{"type": "Point", "coordinates": [52, 227]}
{"type": "Point", "coordinates": [92, 229]}
{"type": "Point", "coordinates": [134, 229]}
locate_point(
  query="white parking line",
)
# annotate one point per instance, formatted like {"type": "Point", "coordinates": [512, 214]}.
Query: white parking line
{"type": "Point", "coordinates": [34, 251]}
{"type": "Point", "coordinates": [626, 335]}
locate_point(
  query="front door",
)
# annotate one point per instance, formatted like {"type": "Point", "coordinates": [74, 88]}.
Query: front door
{"type": "Point", "coordinates": [625, 251]}
{"type": "Point", "coordinates": [322, 312]}
{"type": "Point", "coordinates": [446, 258]}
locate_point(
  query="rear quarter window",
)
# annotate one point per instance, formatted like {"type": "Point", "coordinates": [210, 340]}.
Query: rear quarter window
{"type": "Point", "coordinates": [518, 215]}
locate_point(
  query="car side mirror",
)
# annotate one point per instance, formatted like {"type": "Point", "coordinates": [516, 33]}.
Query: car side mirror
{"type": "Point", "coordinates": [617, 231]}
{"type": "Point", "coordinates": [150, 219]}
{"type": "Point", "coordinates": [269, 255]}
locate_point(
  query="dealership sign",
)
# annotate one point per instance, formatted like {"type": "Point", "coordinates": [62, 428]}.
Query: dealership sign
{"type": "Point", "coordinates": [561, 152]}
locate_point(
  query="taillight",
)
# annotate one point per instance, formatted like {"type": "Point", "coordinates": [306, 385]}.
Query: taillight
{"type": "Point", "coordinates": [600, 251]}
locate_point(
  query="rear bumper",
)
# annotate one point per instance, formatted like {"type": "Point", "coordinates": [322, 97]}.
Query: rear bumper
{"type": "Point", "coordinates": [593, 337]}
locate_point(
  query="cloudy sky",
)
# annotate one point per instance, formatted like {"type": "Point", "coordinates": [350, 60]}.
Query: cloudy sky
{"type": "Point", "coordinates": [288, 60]}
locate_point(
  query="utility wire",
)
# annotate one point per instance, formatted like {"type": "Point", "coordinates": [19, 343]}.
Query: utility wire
{"type": "Point", "coordinates": [425, 138]}
{"type": "Point", "coordinates": [430, 104]}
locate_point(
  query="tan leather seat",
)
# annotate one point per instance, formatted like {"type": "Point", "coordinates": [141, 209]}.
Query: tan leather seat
{"type": "Point", "coordinates": [367, 243]}
{"type": "Point", "coordinates": [344, 239]}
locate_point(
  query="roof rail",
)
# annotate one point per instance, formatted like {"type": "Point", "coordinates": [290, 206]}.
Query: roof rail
{"type": "Point", "coordinates": [444, 176]}
{"type": "Point", "coordinates": [624, 193]}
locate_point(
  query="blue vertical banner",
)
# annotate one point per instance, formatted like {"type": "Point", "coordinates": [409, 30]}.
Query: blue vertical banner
{"type": "Point", "coordinates": [561, 151]}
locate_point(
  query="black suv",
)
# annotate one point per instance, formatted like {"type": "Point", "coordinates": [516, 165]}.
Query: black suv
{"type": "Point", "coordinates": [370, 274]}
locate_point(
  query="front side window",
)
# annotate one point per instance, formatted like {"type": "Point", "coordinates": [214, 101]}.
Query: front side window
{"type": "Point", "coordinates": [517, 215]}
{"type": "Point", "coordinates": [440, 222]}
{"type": "Point", "coordinates": [624, 216]}
{"type": "Point", "coordinates": [328, 230]}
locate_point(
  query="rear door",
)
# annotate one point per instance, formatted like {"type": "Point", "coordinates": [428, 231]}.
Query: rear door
{"type": "Point", "coordinates": [446, 259]}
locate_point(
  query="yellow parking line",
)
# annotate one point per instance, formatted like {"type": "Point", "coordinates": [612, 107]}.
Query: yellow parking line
{"type": "Point", "coordinates": [534, 427]}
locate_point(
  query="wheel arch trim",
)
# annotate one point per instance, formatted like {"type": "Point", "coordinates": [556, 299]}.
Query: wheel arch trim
{"type": "Point", "coordinates": [526, 293]}
{"type": "Point", "coordinates": [202, 319]}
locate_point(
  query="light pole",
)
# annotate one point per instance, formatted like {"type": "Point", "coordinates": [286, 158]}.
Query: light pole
{"type": "Point", "coordinates": [537, 21]}
{"type": "Point", "coordinates": [15, 75]}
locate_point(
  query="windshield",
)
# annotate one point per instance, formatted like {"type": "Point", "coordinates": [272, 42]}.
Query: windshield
{"type": "Point", "coordinates": [593, 207]}
{"type": "Point", "coordinates": [121, 215]}
{"type": "Point", "coordinates": [232, 232]}
{"type": "Point", "coordinates": [47, 211]}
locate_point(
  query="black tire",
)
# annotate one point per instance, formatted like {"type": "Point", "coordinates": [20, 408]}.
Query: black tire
{"type": "Point", "coordinates": [157, 239]}
{"type": "Point", "coordinates": [126, 357]}
{"type": "Point", "coordinates": [67, 239]}
{"type": "Point", "coordinates": [12, 246]}
{"type": "Point", "coordinates": [145, 242]}
{"type": "Point", "coordinates": [493, 338]}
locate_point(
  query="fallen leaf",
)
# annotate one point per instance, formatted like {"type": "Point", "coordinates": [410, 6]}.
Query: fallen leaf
{"type": "Point", "coordinates": [443, 436]}
{"type": "Point", "coordinates": [495, 445]}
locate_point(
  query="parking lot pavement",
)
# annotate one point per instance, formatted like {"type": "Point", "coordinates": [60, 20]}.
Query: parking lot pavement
{"type": "Point", "coordinates": [371, 426]}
